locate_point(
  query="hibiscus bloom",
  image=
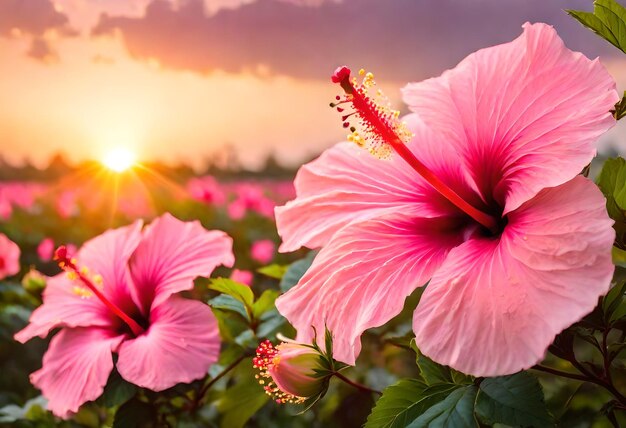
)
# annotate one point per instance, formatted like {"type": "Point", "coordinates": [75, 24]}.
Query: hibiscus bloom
{"type": "Point", "coordinates": [45, 249]}
{"type": "Point", "coordinates": [119, 296]}
{"type": "Point", "coordinates": [9, 257]}
{"type": "Point", "coordinates": [479, 195]}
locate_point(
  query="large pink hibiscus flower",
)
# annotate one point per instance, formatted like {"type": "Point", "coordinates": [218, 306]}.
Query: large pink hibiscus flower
{"type": "Point", "coordinates": [119, 296]}
{"type": "Point", "coordinates": [481, 197]}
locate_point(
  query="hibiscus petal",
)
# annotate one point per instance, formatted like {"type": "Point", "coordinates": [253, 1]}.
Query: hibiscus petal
{"type": "Point", "coordinates": [171, 254]}
{"type": "Point", "coordinates": [495, 305]}
{"type": "Point", "coordinates": [63, 307]}
{"type": "Point", "coordinates": [107, 255]}
{"type": "Point", "coordinates": [76, 368]}
{"type": "Point", "coordinates": [524, 115]}
{"type": "Point", "coordinates": [362, 277]}
{"type": "Point", "coordinates": [179, 346]}
{"type": "Point", "coordinates": [347, 184]}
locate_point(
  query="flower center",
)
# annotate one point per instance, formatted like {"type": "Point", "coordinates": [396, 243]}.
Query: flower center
{"type": "Point", "coordinates": [267, 357]}
{"type": "Point", "coordinates": [94, 286]}
{"type": "Point", "coordinates": [382, 132]}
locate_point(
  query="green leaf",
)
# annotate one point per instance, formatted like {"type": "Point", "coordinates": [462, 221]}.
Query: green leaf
{"type": "Point", "coordinates": [239, 291]}
{"type": "Point", "coordinates": [264, 303]}
{"type": "Point", "coordinates": [135, 414]}
{"type": "Point", "coordinates": [612, 183]}
{"type": "Point", "coordinates": [13, 412]}
{"type": "Point", "coordinates": [296, 270]}
{"type": "Point", "coordinates": [515, 400]}
{"type": "Point", "coordinates": [455, 411]}
{"type": "Point", "coordinates": [404, 401]}
{"type": "Point", "coordinates": [229, 303]}
{"type": "Point", "coordinates": [238, 403]}
{"type": "Point", "coordinates": [117, 391]}
{"type": "Point", "coordinates": [614, 303]}
{"type": "Point", "coordinates": [275, 271]}
{"type": "Point", "coordinates": [608, 20]}
{"type": "Point", "coordinates": [434, 373]}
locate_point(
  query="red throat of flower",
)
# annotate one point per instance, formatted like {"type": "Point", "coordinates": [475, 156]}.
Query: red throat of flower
{"type": "Point", "coordinates": [267, 356]}
{"type": "Point", "coordinates": [93, 284]}
{"type": "Point", "coordinates": [383, 133]}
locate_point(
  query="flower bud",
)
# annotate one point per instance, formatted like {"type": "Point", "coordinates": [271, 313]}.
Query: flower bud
{"type": "Point", "coordinates": [34, 281]}
{"type": "Point", "coordinates": [288, 371]}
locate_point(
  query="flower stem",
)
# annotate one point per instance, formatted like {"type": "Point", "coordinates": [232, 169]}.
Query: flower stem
{"type": "Point", "coordinates": [357, 385]}
{"type": "Point", "coordinates": [212, 382]}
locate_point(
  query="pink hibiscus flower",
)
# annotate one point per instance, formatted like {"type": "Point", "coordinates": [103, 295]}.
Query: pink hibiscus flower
{"type": "Point", "coordinates": [480, 195]}
{"type": "Point", "coordinates": [242, 276]}
{"type": "Point", "coordinates": [9, 257]}
{"type": "Point", "coordinates": [128, 305]}
{"type": "Point", "coordinates": [45, 249]}
{"type": "Point", "coordinates": [263, 251]}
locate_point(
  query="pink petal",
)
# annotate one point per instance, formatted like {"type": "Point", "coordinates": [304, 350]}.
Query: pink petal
{"type": "Point", "coordinates": [171, 254]}
{"type": "Point", "coordinates": [347, 184]}
{"type": "Point", "coordinates": [62, 307]}
{"type": "Point", "coordinates": [9, 256]}
{"type": "Point", "coordinates": [495, 305]}
{"type": "Point", "coordinates": [524, 115]}
{"type": "Point", "coordinates": [362, 277]}
{"type": "Point", "coordinates": [106, 255]}
{"type": "Point", "coordinates": [76, 368]}
{"type": "Point", "coordinates": [179, 346]}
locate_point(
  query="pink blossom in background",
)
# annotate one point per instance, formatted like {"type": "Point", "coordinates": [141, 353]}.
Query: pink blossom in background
{"type": "Point", "coordinates": [128, 304]}
{"type": "Point", "coordinates": [242, 276]}
{"type": "Point", "coordinates": [67, 204]}
{"type": "Point", "coordinates": [509, 129]}
{"type": "Point", "coordinates": [263, 251]}
{"type": "Point", "coordinates": [9, 257]}
{"type": "Point", "coordinates": [236, 210]}
{"type": "Point", "coordinates": [17, 194]}
{"type": "Point", "coordinates": [45, 249]}
{"type": "Point", "coordinates": [206, 189]}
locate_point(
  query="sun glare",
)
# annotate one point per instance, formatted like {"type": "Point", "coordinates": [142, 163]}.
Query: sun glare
{"type": "Point", "coordinates": [119, 160]}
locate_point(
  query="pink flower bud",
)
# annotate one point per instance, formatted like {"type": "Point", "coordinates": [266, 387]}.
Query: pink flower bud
{"type": "Point", "coordinates": [287, 371]}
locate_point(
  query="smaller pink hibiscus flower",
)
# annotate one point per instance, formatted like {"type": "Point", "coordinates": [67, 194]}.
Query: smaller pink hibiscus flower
{"type": "Point", "coordinates": [9, 257]}
{"type": "Point", "coordinates": [45, 249]}
{"type": "Point", "coordinates": [119, 295]}
{"type": "Point", "coordinates": [263, 251]}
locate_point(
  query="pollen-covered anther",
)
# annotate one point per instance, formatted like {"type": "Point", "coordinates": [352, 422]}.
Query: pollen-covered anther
{"type": "Point", "coordinates": [374, 124]}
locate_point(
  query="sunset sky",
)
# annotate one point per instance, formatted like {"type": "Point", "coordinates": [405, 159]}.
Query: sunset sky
{"type": "Point", "coordinates": [178, 80]}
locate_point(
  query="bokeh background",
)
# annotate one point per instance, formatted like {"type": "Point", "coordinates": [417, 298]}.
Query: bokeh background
{"type": "Point", "coordinates": [218, 102]}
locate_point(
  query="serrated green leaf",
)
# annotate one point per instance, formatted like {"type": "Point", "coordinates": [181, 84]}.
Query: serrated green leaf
{"type": "Point", "coordinates": [434, 373]}
{"type": "Point", "coordinates": [275, 271]}
{"type": "Point", "coordinates": [295, 271]}
{"type": "Point", "coordinates": [264, 303]}
{"type": "Point", "coordinates": [404, 401]}
{"type": "Point", "coordinates": [515, 400]}
{"type": "Point", "coordinates": [608, 20]}
{"type": "Point", "coordinates": [135, 414]}
{"type": "Point", "coordinates": [455, 411]}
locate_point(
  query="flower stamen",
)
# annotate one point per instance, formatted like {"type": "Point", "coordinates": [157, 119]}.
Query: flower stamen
{"type": "Point", "coordinates": [382, 132]}
{"type": "Point", "coordinates": [94, 285]}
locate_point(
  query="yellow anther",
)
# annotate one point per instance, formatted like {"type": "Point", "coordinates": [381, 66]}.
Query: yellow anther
{"type": "Point", "coordinates": [361, 72]}
{"type": "Point", "coordinates": [84, 270]}
{"type": "Point", "coordinates": [73, 260]}
{"type": "Point", "coordinates": [97, 279]}
{"type": "Point", "coordinates": [72, 276]}
{"type": "Point", "coordinates": [81, 292]}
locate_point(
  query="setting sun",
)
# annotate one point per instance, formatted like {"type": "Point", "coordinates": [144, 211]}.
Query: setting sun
{"type": "Point", "coordinates": [119, 160]}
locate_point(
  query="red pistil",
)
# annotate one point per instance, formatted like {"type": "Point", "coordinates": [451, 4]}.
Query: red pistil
{"type": "Point", "coordinates": [380, 124]}
{"type": "Point", "coordinates": [69, 265]}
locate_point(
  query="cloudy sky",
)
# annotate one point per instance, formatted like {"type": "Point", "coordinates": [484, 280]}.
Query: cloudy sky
{"type": "Point", "coordinates": [180, 79]}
